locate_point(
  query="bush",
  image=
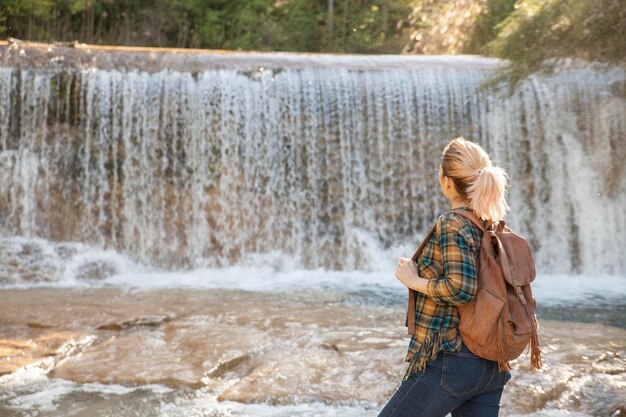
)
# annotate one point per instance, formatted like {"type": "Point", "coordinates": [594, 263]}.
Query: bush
{"type": "Point", "coordinates": [538, 34]}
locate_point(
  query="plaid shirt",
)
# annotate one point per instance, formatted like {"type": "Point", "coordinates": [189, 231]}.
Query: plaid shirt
{"type": "Point", "coordinates": [449, 261]}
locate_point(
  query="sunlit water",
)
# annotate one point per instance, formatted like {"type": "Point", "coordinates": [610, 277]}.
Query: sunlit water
{"type": "Point", "coordinates": [332, 165]}
{"type": "Point", "coordinates": [266, 339]}
{"type": "Point", "coordinates": [216, 352]}
{"type": "Point", "coordinates": [216, 235]}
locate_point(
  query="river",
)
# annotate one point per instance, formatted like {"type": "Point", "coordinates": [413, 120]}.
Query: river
{"type": "Point", "coordinates": [213, 234]}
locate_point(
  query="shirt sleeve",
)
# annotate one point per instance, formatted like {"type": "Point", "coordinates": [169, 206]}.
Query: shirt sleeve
{"type": "Point", "coordinates": [457, 283]}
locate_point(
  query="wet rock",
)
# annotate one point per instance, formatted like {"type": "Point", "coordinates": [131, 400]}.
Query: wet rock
{"type": "Point", "coordinates": [269, 348]}
{"type": "Point", "coordinates": [26, 261]}
{"type": "Point", "coordinates": [330, 346]}
{"type": "Point", "coordinates": [618, 89]}
{"type": "Point", "coordinates": [285, 376]}
{"type": "Point", "coordinates": [178, 352]}
{"type": "Point", "coordinates": [620, 411]}
{"type": "Point", "coordinates": [65, 252]}
{"type": "Point", "coordinates": [146, 321]}
{"type": "Point", "coordinates": [16, 354]}
{"type": "Point", "coordinates": [36, 325]}
{"type": "Point", "coordinates": [226, 363]}
{"type": "Point", "coordinates": [96, 270]}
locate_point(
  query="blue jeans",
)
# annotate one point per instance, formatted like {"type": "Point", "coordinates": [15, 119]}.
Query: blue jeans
{"type": "Point", "coordinates": [459, 382]}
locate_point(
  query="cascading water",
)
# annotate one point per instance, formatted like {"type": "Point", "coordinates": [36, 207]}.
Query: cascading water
{"type": "Point", "coordinates": [326, 162]}
{"type": "Point", "coordinates": [142, 194]}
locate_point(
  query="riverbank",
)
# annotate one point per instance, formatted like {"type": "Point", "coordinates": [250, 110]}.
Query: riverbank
{"type": "Point", "coordinates": [242, 350]}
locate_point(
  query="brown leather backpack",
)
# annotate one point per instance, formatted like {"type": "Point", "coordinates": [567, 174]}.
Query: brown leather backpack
{"type": "Point", "coordinates": [501, 320]}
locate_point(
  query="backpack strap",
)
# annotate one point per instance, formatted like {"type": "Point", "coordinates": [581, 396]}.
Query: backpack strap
{"type": "Point", "coordinates": [424, 242]}
{"type": "Point", "coordinates": [410, 314]}
{"type": "Point", "coordinates": [474, 218]}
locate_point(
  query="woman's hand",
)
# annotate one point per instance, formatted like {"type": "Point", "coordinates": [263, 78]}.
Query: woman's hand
{"type": "Point", "coordinates": [406, 272]}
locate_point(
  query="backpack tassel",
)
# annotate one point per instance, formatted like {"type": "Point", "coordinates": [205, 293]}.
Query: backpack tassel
{"type": "Point", "coordinates": [503, 364]}
{"type": "Point", "coordinates": [533, 346]}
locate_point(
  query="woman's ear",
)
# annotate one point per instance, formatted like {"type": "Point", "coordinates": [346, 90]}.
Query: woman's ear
{"type": "Point", "coordinates": [445, 181]}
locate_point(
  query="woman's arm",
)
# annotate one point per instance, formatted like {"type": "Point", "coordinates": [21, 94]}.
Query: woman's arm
{"type": "Point", "coordinates": [457, 283]}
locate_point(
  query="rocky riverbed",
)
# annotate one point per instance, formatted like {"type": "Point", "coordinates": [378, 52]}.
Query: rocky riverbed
{"type": "Point", "coordinates": [227, 352]}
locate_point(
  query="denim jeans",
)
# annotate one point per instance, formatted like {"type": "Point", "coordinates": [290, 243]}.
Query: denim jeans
{"type": "Point", "coordinates": [458, 382]}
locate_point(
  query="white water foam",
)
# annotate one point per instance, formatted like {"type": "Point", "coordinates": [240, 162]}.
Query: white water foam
{"type": "Point", "coordinates": [53, 397]}
{"type": "Point", "coordinates": [76, 265]}
{"type": "Point", "coordinates": [205, 404]}
{"type": "Point", "coordinates": [37, 393]}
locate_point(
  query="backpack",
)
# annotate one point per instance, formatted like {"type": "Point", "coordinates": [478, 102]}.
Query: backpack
{"type": "Point", "coordinates": [501, 320]}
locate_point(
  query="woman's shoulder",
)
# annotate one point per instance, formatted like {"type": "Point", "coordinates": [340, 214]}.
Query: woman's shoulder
{"type": "Point", "coordinates": [452, 219]}
{"type": "Point", "coordinates": [458, 219]}
{"type": "Point", "coordinates": [451, 222]}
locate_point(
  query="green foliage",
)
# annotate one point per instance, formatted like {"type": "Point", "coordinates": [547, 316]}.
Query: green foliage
{"type": "Point", "coordinates": [369, 26]}
{"type": "Point", "coordinates": [486, 27]}
{"type": "Point", "coordinates": [532, 35]}
{"type": "Point", "coordinates": [363, 26]}
{"type": "Point", "coordinates": [36, 8]}
{"type": "Point", "coordinates": [538, 34]}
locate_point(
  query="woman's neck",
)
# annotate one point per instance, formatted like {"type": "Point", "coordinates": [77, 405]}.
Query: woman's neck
{"type": "Point", "coordinates": [459, 203]}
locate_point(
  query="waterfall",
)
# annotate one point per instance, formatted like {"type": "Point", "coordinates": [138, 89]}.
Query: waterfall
{"type": "Point", "coordinates": [312, 156]}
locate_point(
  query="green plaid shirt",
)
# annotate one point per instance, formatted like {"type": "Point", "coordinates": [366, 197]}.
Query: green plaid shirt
{"type": "Point", "coordinates": [449, 261]}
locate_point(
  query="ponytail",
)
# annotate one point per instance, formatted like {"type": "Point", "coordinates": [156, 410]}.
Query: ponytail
{"type": "Point", "coordinates": [487, 193]}
{"type": "Point", "coordinates": [476, 178]}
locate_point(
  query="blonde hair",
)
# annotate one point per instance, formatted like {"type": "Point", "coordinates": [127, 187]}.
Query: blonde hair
{"type": "Point", "coordinates": [475, 178]}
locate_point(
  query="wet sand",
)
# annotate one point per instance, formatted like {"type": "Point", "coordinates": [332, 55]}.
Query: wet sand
{"type": "Point", "coordinates": [276, 348]}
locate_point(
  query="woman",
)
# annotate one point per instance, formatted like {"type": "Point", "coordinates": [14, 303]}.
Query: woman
{"type": "Point", "coordinates": [443, 376]}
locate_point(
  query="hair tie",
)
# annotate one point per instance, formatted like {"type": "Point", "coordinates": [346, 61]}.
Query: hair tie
{"type": "Point", "coordinates": [480, 170]}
